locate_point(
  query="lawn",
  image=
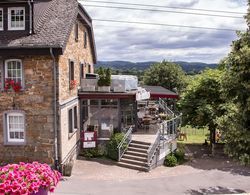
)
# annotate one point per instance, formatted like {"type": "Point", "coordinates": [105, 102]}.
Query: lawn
{"type": "Point", "coordinates": [194, 136]}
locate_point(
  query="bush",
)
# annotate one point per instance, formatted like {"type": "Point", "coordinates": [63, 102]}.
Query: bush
{"type": "Point", "coordinates": [180, 156]}
{"type": "Point", "coordinates": [170, 161]}
{"type": "Point", "coordinates": [92, 153]}
{"type": "Point", "coordinates": [112, 150]}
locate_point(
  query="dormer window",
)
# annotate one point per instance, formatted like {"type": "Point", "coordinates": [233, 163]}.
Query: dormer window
{"type": "Point", "coordinates": [16, 18]}
{"type": "Point", "coordinates": [1, 18]}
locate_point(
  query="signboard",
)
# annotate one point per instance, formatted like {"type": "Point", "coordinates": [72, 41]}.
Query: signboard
{"type": "Point", "coordinates": [89, 139]}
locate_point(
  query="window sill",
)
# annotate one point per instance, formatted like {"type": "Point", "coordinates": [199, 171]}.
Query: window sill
{"type": "Point", "coordinates": [15, 143]}
{"type": "Point", "coordinates": [72, 134]}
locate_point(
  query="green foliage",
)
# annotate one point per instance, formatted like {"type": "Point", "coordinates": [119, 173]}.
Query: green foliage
{"type": "Point", "coordinates": [112, 150]}
{"type": "Point", "coordinates": [170, 161]}
{"type": "Point", "coordinates": [104, 76]}
{"type": "Point", "coordinates": [236, 90]}
{"type": "Point", "coordinates": [92, 153]}
{"type": "Point", "coordinates": [180, 156]}
{"type": "Point", "coordinates": [165, 74]}
{"type": "Point", "coordinates": [201, 101]}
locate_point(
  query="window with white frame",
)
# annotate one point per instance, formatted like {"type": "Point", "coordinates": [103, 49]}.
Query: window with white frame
{"type": "Point", "coordinates": [16, 18]}
{"type": "Point", "coordinates": [1, 18]}
{"type": "Point", "coordinates": [15, 127]}
{"type": "Point", "coordinates": [13, 70]}
{"type": "Point", "coordinates": [72, 119]}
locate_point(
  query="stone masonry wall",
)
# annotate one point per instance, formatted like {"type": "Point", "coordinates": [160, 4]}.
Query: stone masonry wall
{"type": "Point", "coordinates": [76, 52]}
{"type": "Point", "coordinates": [36, 101]}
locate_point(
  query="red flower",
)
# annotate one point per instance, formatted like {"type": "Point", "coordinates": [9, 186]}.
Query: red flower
{"type": "Point", "coordinates": [11, 84]}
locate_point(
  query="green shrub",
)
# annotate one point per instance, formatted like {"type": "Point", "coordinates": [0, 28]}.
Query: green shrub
{"type": "Point", "coordinates": [180, 156]}
{"type": "Point", "coordinates": [170, 161]}
{"type": "Point", "coordinates": [92, 153]}
{"type": "Point", "coordinates": [112, 150]}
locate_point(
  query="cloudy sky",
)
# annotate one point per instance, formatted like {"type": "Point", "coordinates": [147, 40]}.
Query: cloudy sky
{"type": "Point", "coordinates": [140, 42]}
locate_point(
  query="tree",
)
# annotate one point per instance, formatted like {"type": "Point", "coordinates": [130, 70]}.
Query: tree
{"type": "Point", "coordinates": [201, 101]}
{"type": "Point", "coordinates": [165, 74]}
{"type": "Point", "coordinates": [236, 89]}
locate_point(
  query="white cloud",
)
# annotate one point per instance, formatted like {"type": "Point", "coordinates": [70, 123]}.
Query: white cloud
{"type": "Point", "coordinates": [136, 42]}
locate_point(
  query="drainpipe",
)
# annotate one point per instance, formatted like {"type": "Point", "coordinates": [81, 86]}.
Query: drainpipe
{"type": "Point", "coordinates": [55, 110]}
{"type": "Point", "coordinates": [30, 2]}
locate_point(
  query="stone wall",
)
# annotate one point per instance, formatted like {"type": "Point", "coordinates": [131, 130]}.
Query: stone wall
{"type": "Point", "coordinates": [76, 52]}
{"type": "Point", "coordinates": [36, 101]}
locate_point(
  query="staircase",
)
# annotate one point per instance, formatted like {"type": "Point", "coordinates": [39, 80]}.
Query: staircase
{"type": "Point", "coordinates": [136, 156]}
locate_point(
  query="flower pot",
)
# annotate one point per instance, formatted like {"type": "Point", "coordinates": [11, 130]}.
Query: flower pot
{"type": "Point", "coordinates": [104, 88]}
{"type": "Point", "coordinates": [41, 191]}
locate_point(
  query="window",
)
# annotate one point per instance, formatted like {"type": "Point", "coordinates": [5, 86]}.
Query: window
{"type": "Point", "coordinates": [15, 127]}
{"type": "Point", "coordinates": [13, 70]}
{"type": "Point", "coordinates": [76, 32]}
{"type": "Point", "coordinates": [89, 68]}
{"type": "Point", "coordinates": [1, 19]}
{"type": "Point", "coordinates": [81, 70]}
{"type": "Point", "coordinates": [16, 18]}
{"type": "Point", "coordinates": [85, 39]}
{"type": "Point", "coordinates": [72, 119]}
{"type": "Point", "coordinates": [71, 71]}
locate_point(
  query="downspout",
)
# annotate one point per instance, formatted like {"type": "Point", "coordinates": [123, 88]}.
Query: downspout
{"type": "Point", "coordinates": [55, 110]}
{"type": "Point", "coordinates": [30, 2]}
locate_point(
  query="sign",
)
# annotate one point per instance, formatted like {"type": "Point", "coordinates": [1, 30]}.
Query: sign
{"type": "Point", "coordinates": [89, 139]}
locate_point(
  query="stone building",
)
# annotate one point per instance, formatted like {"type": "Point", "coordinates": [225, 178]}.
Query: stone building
{"type": "Point", "coordinates": [46, 47]}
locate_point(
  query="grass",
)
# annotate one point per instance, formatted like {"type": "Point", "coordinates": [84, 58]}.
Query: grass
{"type": "Point", "coordinates": [194, 136]}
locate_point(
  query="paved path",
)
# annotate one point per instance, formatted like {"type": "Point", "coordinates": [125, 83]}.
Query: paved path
{"type": "Point", "coordinates": [105, 178]}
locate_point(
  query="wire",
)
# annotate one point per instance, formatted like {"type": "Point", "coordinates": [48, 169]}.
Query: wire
{"type": "Point", "coordinates": [155, 10]}
{"type": "Point", "coordinates": [158, 6]}
{"type": "Point", "coordinates": [159, 24]}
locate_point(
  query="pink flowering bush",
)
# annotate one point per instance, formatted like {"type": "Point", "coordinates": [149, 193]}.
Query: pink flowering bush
{"type": "Point", "coordinates": [27, 178]}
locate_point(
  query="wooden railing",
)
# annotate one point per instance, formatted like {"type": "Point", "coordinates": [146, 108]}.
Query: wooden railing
{"type": "Point", "coordinates": [153, 149]}
{"type": "Point", "coordinates": [124, 143]}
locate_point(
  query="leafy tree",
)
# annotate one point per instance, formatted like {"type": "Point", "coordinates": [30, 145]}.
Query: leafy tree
{"type": "Point", "coordinates": [201, 101]}
{"type": "Point", "coordinates": [236, 89]}
{"type": "Point", "coordinates": [165, 74]}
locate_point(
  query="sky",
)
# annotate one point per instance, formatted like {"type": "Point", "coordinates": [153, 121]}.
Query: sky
{"type": "Point", "coordinates": [141, 42]}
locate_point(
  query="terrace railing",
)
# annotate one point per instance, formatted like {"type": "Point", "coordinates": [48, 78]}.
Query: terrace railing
{"type": "Point", "coordinates": [153, 149]}
{"type": "Point", "coordinates": [170, 127]}
{"type": "Point", "coordinates": [124, 143]}
{"type": "Point", "coordinates": [163, 105]}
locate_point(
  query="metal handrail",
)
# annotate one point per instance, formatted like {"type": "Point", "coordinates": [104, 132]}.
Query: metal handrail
{"type": "Point", "coordinates": [152, 149]}
{"type": "Point", "coordinates": [164, 106]}
{"type": "Point", "coordinates": [173, 123]}
{"type": "Point", "coordinates": [125, 140]}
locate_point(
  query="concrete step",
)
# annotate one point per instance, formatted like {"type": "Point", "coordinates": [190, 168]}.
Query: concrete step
{"type": "Point", "coordinates": [134, 153]}
{"type": "Point", "coordinates": [141, 142]}
{"type": "Point", "coordinates": [131, 166]}
{"type": "Point", "coordinates": [137, 149]}
{"type": "Point", "coordinates": [135, 157]}
{"type": "Point", "coordinates": [136, 145]}
{"type": "Point", "coordinates": [133, 162]}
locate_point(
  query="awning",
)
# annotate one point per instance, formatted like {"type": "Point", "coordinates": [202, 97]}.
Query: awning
{"type": "Point", "coordinates": [160, 92]}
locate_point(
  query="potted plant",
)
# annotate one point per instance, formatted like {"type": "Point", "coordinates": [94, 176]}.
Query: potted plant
{"type": "Point", "coordinates": [28, 178]}
{"type": "Point", "coordinates": [73, 84]}
{"type": "Point", "coordinates": [12, 86]}
{"type": "Point", "coordinates": [104, 80]}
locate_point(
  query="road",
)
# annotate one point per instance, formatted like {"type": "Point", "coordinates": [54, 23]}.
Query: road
{"type": "Point", "coordinates": [202, 176]}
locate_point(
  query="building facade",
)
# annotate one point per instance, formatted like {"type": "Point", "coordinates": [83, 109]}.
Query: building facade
{"type": "Point", "coordinates": [46, 47]}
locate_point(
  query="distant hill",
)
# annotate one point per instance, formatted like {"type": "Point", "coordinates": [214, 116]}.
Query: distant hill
{"type": "Point", "coordinates": [189, 67]}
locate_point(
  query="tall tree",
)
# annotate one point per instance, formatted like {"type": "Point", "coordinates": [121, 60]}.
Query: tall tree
{"type": "Point", "coordinates": [236, 88]}
{"type": "Point", "coordinates": [165, 74]}
{"type": "Point", "coordinates": [201, 101]}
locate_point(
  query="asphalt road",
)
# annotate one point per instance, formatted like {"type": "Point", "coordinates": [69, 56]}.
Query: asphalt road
{"type": "Point", "coordinates": [202, 176]}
